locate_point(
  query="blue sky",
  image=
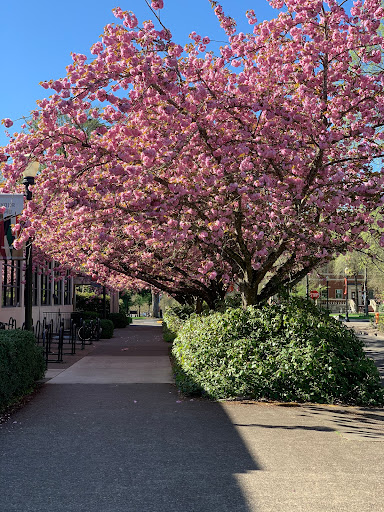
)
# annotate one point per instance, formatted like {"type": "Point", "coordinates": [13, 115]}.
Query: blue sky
{"type": "Point", "coordinates": [37, 39]}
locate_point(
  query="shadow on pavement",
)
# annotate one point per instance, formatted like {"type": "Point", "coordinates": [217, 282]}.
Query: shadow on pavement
{"type": "Point", "coordinates": [318, 428]}
{"type": "Point", "coordinates": [359, 422]}
{"type": "Point", "coordinates": [126, 447]}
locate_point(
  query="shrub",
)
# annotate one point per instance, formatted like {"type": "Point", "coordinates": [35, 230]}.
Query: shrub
{"type": "Point", "coordinates": [21, 365]}
{"type": "Point", "coordinates": [173, 320]}
{"type": "Point", "coordinates": [106, 329]}
{"type": "Point", "coordinates": [120, 320]}
{"type": "Point", "coordinates": [91, 302]}
{"type": "Point", "coordinates": [77, 316]}
{"type": "Point", "coordinates": [288, 352]}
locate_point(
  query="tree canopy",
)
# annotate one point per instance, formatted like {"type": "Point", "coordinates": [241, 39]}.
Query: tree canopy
{"type": "Point", "coordinates": [252, 166]}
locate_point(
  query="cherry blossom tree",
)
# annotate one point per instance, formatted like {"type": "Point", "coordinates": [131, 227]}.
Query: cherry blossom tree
{"type": "Point", "coordinates": [252, 166]}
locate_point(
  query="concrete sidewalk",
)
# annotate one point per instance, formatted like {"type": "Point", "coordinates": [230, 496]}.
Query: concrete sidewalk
{"type": "Point", "coordinates": [111, 434]}
{"type": "Point", "coordinates": [373, 340]}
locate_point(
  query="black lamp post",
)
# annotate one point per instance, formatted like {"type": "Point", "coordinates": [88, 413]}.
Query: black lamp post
{"type": "Point", "coordinates": [346, 295]}
{"type": "Point", "coordinates": [29, 179]}
{"type": "Point", "coordinates": [327, 283]}
{"type": "Point", "coordinates": [366, 310]}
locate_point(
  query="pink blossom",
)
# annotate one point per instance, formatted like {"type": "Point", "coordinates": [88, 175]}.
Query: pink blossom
{"type": "Point", "coordinates": [157, 4]}
{"type": "Point", "coordinates": [7, 122]}
{"type": "Point", "coordinates": [200, 176]}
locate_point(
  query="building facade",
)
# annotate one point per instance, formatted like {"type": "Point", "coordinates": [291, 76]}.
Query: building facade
{"type": "Point", "coordinates": [52, 294]}
{"type": "Point", "coordinates": [338, 292]}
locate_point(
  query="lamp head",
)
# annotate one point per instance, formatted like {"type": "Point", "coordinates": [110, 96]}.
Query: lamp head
{"type": "Point", "coordinates": [31, 170]}
{"type": "Point", "coordinates": [29, 174]}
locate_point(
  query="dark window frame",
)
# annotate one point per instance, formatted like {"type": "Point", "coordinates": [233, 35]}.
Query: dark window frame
{"type": "Point", "coordinates": [68, 290]}
{"type": "Point", "coordinates": [11, 283]}
{"type": "Point", "coordinates": [46, 287]}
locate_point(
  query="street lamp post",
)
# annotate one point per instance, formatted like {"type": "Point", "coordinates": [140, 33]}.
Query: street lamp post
{"type": "Point", "coordinates": [346, 294]}
{"type": "Point", "coordinates": [365, 292]}
{"type": "Point", "coordinates": [29, 179]}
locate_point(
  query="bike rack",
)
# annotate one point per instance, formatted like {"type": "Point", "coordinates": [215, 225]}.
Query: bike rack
{"type": "Point", "coordinates": [53, 342]}
{"type": "Point", "coordinates": [37, 331]}
{"type": "Point", "coordinates": [71, 338]}
{"type": "Point", "coordinates": [12, 323]}
{"type": "Point", "coordinates": [48, 341]}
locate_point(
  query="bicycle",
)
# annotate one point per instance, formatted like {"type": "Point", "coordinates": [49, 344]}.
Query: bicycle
{"type": "Point", "coordinates": [90, 330]}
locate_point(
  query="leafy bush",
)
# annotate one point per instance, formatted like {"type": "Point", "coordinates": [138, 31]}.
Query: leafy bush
{"type": "Point", "coordinates": [106, 329]}
{"type": "Point", "coordinates": [91, 302]}
{"type": "Point", "coordinates": [77, 316]}
{"type": "Point", "coordinates": [168, 335]}
{"type": "Point", "coordinates": [288, 352]}
{"type": "Point", "coordinates": [173, 320]}
{"type": "Point", "coordinates": [233, 300]}
{"type": "Point", "coordinates": [120, 320]}
{"type": "Point", "coordinates": [21, 365]}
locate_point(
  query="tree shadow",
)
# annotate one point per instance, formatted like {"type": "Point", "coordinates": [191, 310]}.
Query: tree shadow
{"type": "Point", "coordinates": [125, 447]}
{"type": "Point", "coordinates": [364, 422]}
{"type": "Point", "coordinates": [319, 428]}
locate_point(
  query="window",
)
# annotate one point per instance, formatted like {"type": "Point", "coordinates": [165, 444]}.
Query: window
{"type": "Point", "coordinates": [324, 293]}
{"type": "Point", "coordinates": [338, 294]}
{"type": "Point", "coordinates": [57, 292]}
{"type": "Point", "coordinates": [35, 289]}
{"type": "Point", "coordinates": [68, 290]}
{"type": "Point", "coordinates": [45, 288]}
{"type": "Point", "coordinates": [11, 272]}
{"type": "Point", "coordinates": [57, 288]}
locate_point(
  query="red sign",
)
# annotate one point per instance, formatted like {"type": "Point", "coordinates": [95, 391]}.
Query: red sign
{"type": "Point", "coordinates": [314, 294]}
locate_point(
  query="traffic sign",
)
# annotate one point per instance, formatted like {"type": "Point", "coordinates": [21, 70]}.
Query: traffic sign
{"type": "Point", "coordinates": [314, 294]}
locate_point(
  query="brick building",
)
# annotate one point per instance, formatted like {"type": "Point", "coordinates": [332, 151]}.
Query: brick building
{"type": "Point", "coordinates": [336, 290]}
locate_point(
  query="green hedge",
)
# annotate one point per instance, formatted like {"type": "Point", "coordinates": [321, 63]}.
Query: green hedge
{"type": "Point", "coordinates": [287, 352]}
{"type": "Point", "coordinates": [173, 320]}
{"type": "Point", "coordinates": [21, 365]}
{"type": "Point", "coordinates": [120, 320]}
{"type": "Point", "coordinates": [106, 329]}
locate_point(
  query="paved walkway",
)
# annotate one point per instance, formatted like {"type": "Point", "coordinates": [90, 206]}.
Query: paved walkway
{"type": "Point", "coordinates": [374, 342]}
{"type": "Point", "coordinates": [111, 434]}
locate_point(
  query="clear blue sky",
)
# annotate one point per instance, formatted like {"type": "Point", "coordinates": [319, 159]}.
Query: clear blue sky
{"type": "Point", "coordinates": [38, 37]}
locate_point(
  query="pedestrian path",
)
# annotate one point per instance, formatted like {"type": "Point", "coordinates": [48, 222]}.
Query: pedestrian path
{"type": "Point", "coordinates": [373, 340]}
{"type": "Point", "coordinates": [122, 360]}
{"type": "Point", "coordinates": [112, 434]}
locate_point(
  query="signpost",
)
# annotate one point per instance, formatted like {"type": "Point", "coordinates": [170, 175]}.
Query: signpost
{"type": "Point", "coordinates": [14, 204]}
{"type": "Point", "coordinates": [314, 294]}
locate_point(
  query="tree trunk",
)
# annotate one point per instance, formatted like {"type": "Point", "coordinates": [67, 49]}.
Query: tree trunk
{"type": "Point", "coordinates": [104, 302]}
{"type": "Point", "coordinates": [199, 306]}
{"type": "Point", "coordinates": [155, 304]}
{"type": "Point", "coordinates": [249, 293]}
